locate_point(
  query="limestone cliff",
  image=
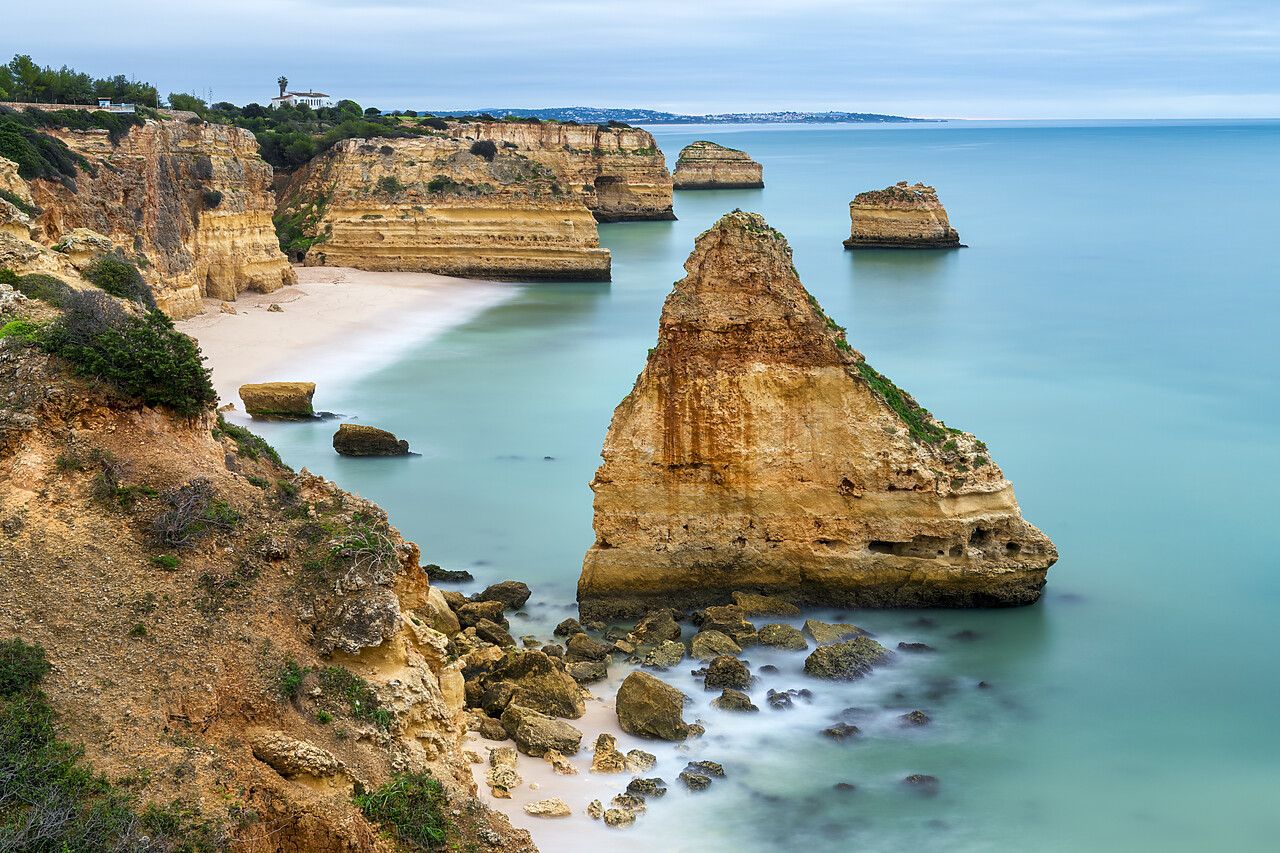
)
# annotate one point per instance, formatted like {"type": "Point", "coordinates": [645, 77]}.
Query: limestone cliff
{"type": "Point", "coordinates": [759, 452]}
{"type": "Point", "coordinates": [707, 166]}
{"type": "Point", "coordinates": [900, 217]}
{"type": "Point", "coordinates": [618, 172]}
{"type": "Point", "coordinates": [250, 643]}
{"type": "Point", "coordinates": [429, 204]}
{"type": "Point", "coordinates": [194, 199]}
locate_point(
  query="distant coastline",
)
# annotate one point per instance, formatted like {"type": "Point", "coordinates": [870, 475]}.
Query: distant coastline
{"type": "Point", "coordinates": [598, 115]}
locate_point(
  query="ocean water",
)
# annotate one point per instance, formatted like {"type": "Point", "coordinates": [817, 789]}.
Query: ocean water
{"type": "Point", "coordinates": [1110, 333]}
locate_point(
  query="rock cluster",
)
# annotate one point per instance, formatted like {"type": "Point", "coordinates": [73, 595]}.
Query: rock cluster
{"type": "Point", "coordinates": [759, 451]}
{"type": "Point", "coordinates": [900, 217]}
{"type": "Point", "coordinates": [707, 166]}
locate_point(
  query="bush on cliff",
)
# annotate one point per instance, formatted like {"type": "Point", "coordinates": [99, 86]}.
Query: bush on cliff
{"type": "Point", "coordinates": [485, 148]}
{"type": "Point", "coordinates": [411, 807]}
{"type": "Point", "coordinates": [118, 276]}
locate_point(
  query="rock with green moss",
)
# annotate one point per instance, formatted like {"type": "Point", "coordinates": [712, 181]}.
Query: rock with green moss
{"type": "Point", "coordinates": [279, 400]}
{"type": "Point", "coordinates": [846, 661]}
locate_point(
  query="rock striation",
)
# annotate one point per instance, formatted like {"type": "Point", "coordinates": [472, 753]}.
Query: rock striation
{"type": "Point", "coordinates": [707, 166]}
{"type": "Point", "coordinates": [758, 451]}
{"type": "Point", "coordinates": [619, 172]}
{"type": "Point", "coordinates": [900, 217]}
{"type": "Point", "coordinates": [429, 204]}
{"type": "Point", "coordinates": [194, 200]}
{"type": "Point", "coordinates": [279, 400]}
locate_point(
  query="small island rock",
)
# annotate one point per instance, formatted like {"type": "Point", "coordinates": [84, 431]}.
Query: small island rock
{"type": "Point", "coordinates": [900, 217]}
{"type": "Point", "coordinates": [360, 440]}
{"type": "Point", "coordinates": [705, 165]}
{"type": "Point", "coordinates": [279, 400]}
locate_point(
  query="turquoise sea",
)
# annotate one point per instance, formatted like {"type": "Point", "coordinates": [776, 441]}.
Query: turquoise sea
{"type": "Point", "coordinates": [1110, 333]}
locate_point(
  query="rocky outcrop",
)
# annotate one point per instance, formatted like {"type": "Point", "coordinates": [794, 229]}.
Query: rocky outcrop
{"type": "Point", "coordinates": [760, 452]}
{"type": "Point", "coordinates": [288, 400]}
{"type": "Point", "coordinates": [430, 205]}
{"type": "Point", "coordinates": [707, 166]}
{"type": "Point", "coordinates": [194, 200]}
{"type": "Point", "coordinates": [900, 217]}
{"type": "Point", "coordinates": [360, 440]}
{"type": "Point", "coordinates": [619, 172]}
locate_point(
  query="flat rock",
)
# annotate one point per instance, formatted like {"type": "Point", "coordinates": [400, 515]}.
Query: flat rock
{"type": "Point", "coordinates": [279, 400]}
{"type": "Point", "coordinates": [536, 733]}
{"type": "Point", "coordinates": [361, 440]}
{"type": "Point", "coordinates": [825, 633]}
{"type": "Point", "coordinates": [706, 645]}
{"type": "Point", "coordinates": [781, 636]}
{"type": "Point", "coordinates": [553, 807]}
{"type": "Point", "coordinates": [846, 661]}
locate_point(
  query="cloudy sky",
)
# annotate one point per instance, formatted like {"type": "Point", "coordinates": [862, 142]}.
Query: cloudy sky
{"type": "Point", "coordinates": [945, 58]}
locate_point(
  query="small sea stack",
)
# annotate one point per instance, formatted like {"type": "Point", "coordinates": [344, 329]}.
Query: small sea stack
{"type": "Point", "coordinates": [279, 401]}
{"type": "Point", "coordinates": [900, 217]}
{"type": "Point", "coordinates": [360, 440]}
{"type": "Point", "coordinates": [759, 451]}
{"type": "Point", "coordinates": [708, 166]}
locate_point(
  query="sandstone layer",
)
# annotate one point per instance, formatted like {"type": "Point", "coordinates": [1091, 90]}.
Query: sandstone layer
{"type": "Point", "coordinates": [900, 217]}
{"type": "Point", "coordinates": [759, 452]}
{"type": "Point", "coordinates": [708, 166]}
{"type": "Point", "coordinates": [193, 200]}
{"type": "Point", "coordinates": [429, 205]}
{"type": "Point", "coordinates": [619, 172]}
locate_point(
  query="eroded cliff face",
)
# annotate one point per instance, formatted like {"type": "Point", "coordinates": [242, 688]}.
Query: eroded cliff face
{"type": "Point", "coordinates": [759, 452]}
{"type": "Point", "coordinates": [900, 217]}
{"type": "Point", "coordinates": [707, 166]}
{"type": "Point", "coordinates": [429, 205]}
{"type": "Point", "coordinates": [618, 172]}
{"type": "Point", "coordinates": [172, 663]}
{"type": "Point", "coordinates": [194, 199]}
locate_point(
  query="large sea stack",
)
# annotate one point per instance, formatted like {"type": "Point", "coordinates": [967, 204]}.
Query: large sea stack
{"type": "Point", "coordinates": [759, 452]}
{"type": "Point", "coordinates": [707, 166]}
{"type": "Point", "coordinates": [900, 217]}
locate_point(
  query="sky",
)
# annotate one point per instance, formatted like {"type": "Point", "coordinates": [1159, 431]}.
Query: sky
{"type": "Point", "coordinates": [925, 58]}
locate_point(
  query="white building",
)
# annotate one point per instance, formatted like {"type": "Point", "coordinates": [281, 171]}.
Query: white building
{"type": "Point", "coordinates": [311, 99]}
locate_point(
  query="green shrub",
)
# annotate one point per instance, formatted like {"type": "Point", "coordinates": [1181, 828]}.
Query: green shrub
{"type": "Point", "coordinates": [411, 806]}
{"type": "Point", "coordinates": [289, 679]}
{"type": "Point", "coordinates": [389, 184]}
{"type": "Point", "coordinates": [434, 123]}
{"type": "Point", "coordinates": [13, 199]}
{"type": "Point", "coordinates": [118, 276]}
{"type": "Point", "coordinates": [485, 148]}
{"type": "Point", "coordinates": [23, 330]}
{"type": "Point", "coordinates": [212, 198]}
{"type": "Point", "coordinates": [441, 183]}
{"type": "Point", "coordinates": [248, 445]}
{"type": "Point", "coordinates": [362, 703]}
{"type": "Point", "coordinates": [21, 667]}
{"type": "Point", "coordinates": [50, 288]}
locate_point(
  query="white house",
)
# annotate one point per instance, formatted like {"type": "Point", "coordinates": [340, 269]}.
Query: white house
{"type": "Point", "coordinates": [311, 99]}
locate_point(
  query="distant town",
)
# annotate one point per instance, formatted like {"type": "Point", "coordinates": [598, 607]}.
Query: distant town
{"type": "Point", "coordinates": [596, 115]}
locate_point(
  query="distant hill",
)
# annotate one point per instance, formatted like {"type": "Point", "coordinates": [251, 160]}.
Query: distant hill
{"type": "Point", "coordinates": [597, 115]}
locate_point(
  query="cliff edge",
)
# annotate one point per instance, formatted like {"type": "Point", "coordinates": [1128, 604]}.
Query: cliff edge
{"type": "Point", "coordinates": [759, 452]}
{"type": "Point", "coordinates": [707, 166]}
{"type": "Point", "coordinates": [900, 217]}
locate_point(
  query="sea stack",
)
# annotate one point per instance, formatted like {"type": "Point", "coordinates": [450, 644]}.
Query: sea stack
{"type": "Point", "coordinates": [900, 217]}
{"type": "Point", "coordinates": [707, 166]}
{"type": "Point", "coordinates": [759, 452]}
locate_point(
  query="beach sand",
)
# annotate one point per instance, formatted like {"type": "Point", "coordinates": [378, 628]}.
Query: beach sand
{"type": "Point", "coordinates": [334, 325]}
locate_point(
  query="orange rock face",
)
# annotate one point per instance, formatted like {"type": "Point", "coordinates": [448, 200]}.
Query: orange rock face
{"type": "Point", "coordinates": [900, 217]}
{"type": "Point", "coordinates": [707, 166]}
{"type": "Point", "coordinates": [759, 452]}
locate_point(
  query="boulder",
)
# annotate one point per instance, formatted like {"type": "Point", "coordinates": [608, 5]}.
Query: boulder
{"type": "Point", "coordinates": [492, 632]}
{"type": "Point", "coordinates": [915, 718]}
{"type": "Point", "coordinates": [915, 648]}
{"type": "Point", "coordinates": [638, 761]}
{"type": "Point", "coordinates": [727, 619]}
{"type": "Point", "coordinates": [607, 758]}
{"type": "Point", "coordinates": [764, 605]}
{"type": "Point", "coordinates": [568, 628]}
{"type": "Point", "coordinates": [512, 594]}
{"type": "Point", "coordinates": [559, 763]}
{"type": "Point", "coordinates": [846, 661]}
{"type": "Point", "coordinates": [648, 707]}
{"type": "Point", "coordinates": [781, 636]}
{"type": "Point", "coordinates": [733, 700]}
{"type": "Point", "coordinates": [536, 733]}
{"type": "Point", "coordinates": [539, 683]}
{"type": "Point", "coordinates": [841, 732]}
{"type": "Point", "coordinates": [666, 655]}
{"type": "Point", "coordinates": [824, 633]}
{"type": "Point", "coordinates": [553, 807]}
{"type": "Point", "coordinates": [82, 246]}
{"type": "Point", "coordinates": [924, 785]}
{"type": "Point", "coordinates": [279, 400]}
{"type": "Point", "coordinates": [360, 440]}
{"type": "Point", "coordinates": [580, 647]}
{"type": "Point", "coordinates": [694, 781]}
{"type": "Point", "coordinates": [647, 787]}
{"type": "Point", "coordinates": [587, 671]}
{"type": "Point", "coordinates": [727, 671]}
{"type": "Point", "coordinates": [619, 817]}
{"type": "Point", "coordinates": [655, 627]}
{"type": "Point", "coordinates": [471, 612]}
{"type": "Point", "coordinates": [706, 768]}
{"type": "Point", "coordinates": [630, 802]}
{"type": "Point", "coordinates": [502, 779]}
{"type": "Point", "coordinates": [292, 758]}
{"type": "Point", "coordinates": [595, 809]}
{"type": "Point", "coordinates": [709, 644]}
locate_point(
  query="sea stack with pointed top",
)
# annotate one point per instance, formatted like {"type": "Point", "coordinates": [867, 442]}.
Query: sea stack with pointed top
{"type": "Point", "coordinates": [900, 217]}
{"type": "Point", "coordinates": [759, 452]}
{"type": "Point", "coordinates": [707, 166]}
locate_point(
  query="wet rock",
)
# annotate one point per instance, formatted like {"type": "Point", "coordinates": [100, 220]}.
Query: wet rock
{"type": "Point", "coordinates": [588, 671]}
{"type": "Point", "coordinates": [733, 700]}
{"type": "Point", "coordinates": [625, 647]}
{"type": "Point", "coordinates": [764, 605]}
{"type": "Point", "coordinates": [361, 440]}
{"type": "Point", "coordinates": [639, 761]}
{"type": "Point", "coordinates": [454, 599]}
{"type": "Point", "coordinates": [697, 730]}
{"type": "Point", "coordinates": [844, 786]}
{"type": "Point", "coordinates": [559, 763]}
{"type": "Point", "coordinates": [656, 788]}
{"type": "Point", "coordinates": [580, 647]}
{"type": "Point", "coordinates": [435, 574]}
{"type": "Point", "coordinates": [966, 636]}
{"type": "Point", "coordinates": [784, 700]}
{"type": "Point", "coordinates": [842, 732]}
{"type": "Point", "coordinates": [915, 647]}
{"type": "Point", "coordinates": [915, 718]}
{"type": "Point", "coordinates": [530, 642]}
{"type": "Point", "coordinates": [275, 308]}
{"type": "Point", "coordinates": [495, 699]}
{"type": "Point", "coordinates": [666, 655]}
{"type": "Point", "coordinates": [535, 733]}
{"type": "Point", "coordinates": [648, 707]}
{"type": "Point", "coordinates": [471, 612]}
{"type": "Point", "coordinates": [553, 807]}
{"type": "Point", "coordinates": [511, 594]}
{"type": "Point", "coordinates": [553, 650]}
{"type": "Point", "coordinates": [727, 619]}
{"type": "Point", "coordinates": [781, 636]}
{"type": "Point", "coordinates": [607, 758]}
{"type": "Point", "coordinates": [846, 661]}
{"type": "Point", "coordinates": [706, 768]}
{"type": "Point", "coordinates": [630, 802]}
{"type": "Point", "coordinates": [727, 671]}
{"type": "Point", "coordinates": [824, 633]}
{"type": "Point", "coordinates": [291, 758]}
{"type": "Point", "coordinates": [711, 643]}
{"type": "Point", "coordinates": [595, 809]}
{"type": "Point", "coordinates": [568, 628]}
{"type": "Point", "coordinates": [492, 632]}
{"type": "Point", "coordinates": [656, 627]}
{"type": "Point", "coordinates": [284, 400]}
{"type": "Point", "coordinates": [540, 683]}
{"type": "Point", "coordinates": [925, 786]}
{"type": "Point", "coordinates": [619, 817]}
{"type": "Point", "coordinates": [503, 756]}
{"type": "Point", "coordinates": [694, 781]}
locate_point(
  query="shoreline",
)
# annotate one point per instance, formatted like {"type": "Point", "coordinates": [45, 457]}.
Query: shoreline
{"type": "Point", "coordinates": [335, 325]}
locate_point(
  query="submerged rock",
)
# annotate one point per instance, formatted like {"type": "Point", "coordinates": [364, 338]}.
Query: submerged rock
{"type": "Point", "coordinates": [727, 671]}
{"type": "Point", "coordinates": [707, 166]}
{"type": "Point", "coordinates": [666, 655]}
{"type": "Point", "coordinates": [758, 450]}
{"type": "Point", "coordinates": [279, 400]}
{"type": "Point", "coordinates": [709, 644]}
{"type": "Point", "coordinates": [900, 217]}
{"type": "Point", "coordinates": [360, 440]}
{"type": "Point", "coordinates": [733, 700]}
{"type": "Point", "coordinates": [781, 636]}
{"type": "Point", "coordinates": [846, 661]}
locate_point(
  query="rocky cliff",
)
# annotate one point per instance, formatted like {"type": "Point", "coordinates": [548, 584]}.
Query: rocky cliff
{"type": "Point", "coordinates": [194, 200]}
{"type": "Point", "coordinates": [429, 204]}
{"type": "Point", "coordinates": [707, 166]}
{"type": "Point", "coordinates": [759, 452]}
{"type": "Point", "coordinates": [900, 217]}
{"type": "Point", "coordinates": [252, 645]}
{"type": "Point", "coordinates": [618, 172]}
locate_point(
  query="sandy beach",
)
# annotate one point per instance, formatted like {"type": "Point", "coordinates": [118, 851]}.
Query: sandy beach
{"type": "Point", "coordinates": [333, 326]}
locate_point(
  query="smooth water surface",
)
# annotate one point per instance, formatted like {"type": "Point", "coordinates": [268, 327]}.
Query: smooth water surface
{"type": "Point", "coordinates": [1109, 333]}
